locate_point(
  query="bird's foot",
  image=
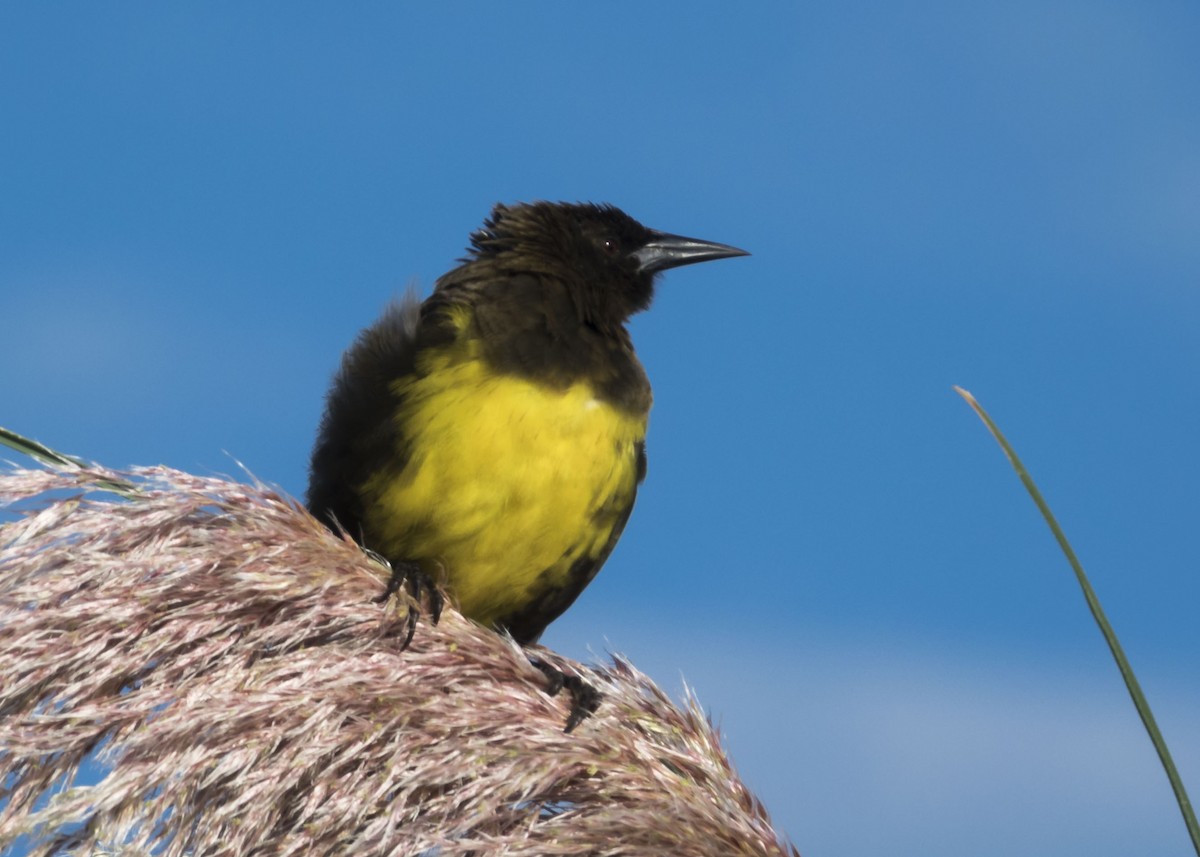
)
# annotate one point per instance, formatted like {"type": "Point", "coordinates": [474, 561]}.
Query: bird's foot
{"type": "Point", "coordinates": [585, 699]}
{"type": "Point", "coordinates": [410, 575]}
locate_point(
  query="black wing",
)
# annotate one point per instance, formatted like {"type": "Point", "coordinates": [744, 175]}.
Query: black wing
{"type": "Point", "coordinates": [358, 434]}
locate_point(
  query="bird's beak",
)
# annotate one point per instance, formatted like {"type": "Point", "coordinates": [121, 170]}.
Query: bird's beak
{"type": "Point", "coordinates": [664, 250]}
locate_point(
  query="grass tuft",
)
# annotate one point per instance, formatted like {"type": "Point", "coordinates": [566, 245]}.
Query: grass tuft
{"type": "Point", "coordinates": [220, 649]}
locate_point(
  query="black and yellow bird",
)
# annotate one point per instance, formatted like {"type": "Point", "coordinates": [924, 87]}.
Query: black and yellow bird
{"type": "Point", "coordinates": [492, 437]}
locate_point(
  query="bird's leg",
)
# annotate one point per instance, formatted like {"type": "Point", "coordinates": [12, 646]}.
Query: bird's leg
{"type": "Point", "coordinates": [410, 574]}
{"type": "Point", "coordinates": [585, 699]}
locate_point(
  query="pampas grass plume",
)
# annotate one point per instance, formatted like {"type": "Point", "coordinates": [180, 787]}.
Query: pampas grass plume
{"type": "Point", "coordinates": [218, 649]}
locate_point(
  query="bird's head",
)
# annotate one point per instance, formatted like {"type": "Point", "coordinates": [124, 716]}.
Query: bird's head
{"type": "Point", "coordinates": [606, 259]}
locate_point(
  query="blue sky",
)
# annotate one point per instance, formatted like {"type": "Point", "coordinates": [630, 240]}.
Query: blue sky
{"type": "Point", "coordinates": [201, 205]}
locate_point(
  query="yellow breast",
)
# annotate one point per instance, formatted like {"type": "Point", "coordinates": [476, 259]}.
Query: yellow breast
{"type": "Point", "coordinates": [507, 482]}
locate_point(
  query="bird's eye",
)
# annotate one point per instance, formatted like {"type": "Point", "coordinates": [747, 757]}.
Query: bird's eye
{"type": "Point", "coordinates": [611, 246]}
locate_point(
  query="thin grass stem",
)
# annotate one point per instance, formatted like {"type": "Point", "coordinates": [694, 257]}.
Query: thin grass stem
{"type": "Point", "coordinates": [1110, 636]}
{"type": "Point", "coordinates": [43, 454]}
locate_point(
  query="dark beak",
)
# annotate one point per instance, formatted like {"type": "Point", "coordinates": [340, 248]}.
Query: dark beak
{"type": "Point", "coordinates": [664, 250]}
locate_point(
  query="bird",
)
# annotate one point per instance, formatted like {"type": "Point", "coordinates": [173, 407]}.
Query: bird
{"type": "Point", "coordinates": [490, 440]}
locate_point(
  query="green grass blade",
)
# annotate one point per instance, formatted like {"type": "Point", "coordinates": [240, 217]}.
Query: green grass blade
{"type": "Point", "coordinates": [40, 452]}
{"type": "Point", "coordinates": [1110, 636]}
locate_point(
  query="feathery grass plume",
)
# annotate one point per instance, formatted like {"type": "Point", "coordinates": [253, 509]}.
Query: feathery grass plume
{"type": "Point", "coordinates": [220, 649]}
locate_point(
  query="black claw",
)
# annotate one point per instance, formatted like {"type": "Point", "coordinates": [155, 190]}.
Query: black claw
{"type": "Point", "coordinates": [436, 602]}
{"type": "Point", "coordinates": [396, 576]}
{"type": "Point", "coordinates": [409, 574]}
{"type": "Point", "coordinates": [585, 699]}
{"type": "Point", "coordinates": [555, 679]}
{"type": "Point", "coordinates": [413, 613]}
{"type": "Point", "coordinates": [415, 580]}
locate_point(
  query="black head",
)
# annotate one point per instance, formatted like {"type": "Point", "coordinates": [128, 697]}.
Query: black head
{"type": "Point", "coordinates": [604, 257]}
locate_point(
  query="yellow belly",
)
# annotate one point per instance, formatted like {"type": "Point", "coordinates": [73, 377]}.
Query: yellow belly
{"type": "Point", "coordinates": [506, 485]}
